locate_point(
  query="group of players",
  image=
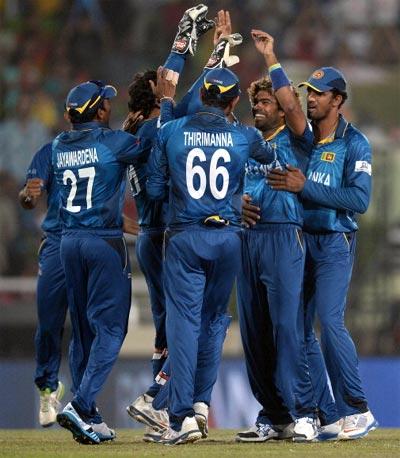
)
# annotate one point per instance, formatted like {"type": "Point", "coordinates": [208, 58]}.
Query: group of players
{"type": "Point", "coordinates": [272, 207]}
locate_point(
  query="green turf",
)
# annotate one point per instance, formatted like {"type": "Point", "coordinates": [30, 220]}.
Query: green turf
{"type": "Point", "coordinates": [58, 443]}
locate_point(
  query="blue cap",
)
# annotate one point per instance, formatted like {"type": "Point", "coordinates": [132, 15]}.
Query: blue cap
{"type": "Point", "coordinates": [222, 82]}
{"type": "Point", "coordinates": [326, 79]}
{"type": "Point", "coordinates": [87, 95]}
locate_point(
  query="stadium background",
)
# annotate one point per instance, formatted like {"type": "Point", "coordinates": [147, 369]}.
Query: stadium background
{"type": "Point", "coordinates": [47, 46]}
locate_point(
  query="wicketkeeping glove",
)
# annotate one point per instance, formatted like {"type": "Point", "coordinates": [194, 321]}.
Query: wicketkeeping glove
{"type": "Point", "coordinates": [192, 25]}
{"type": "Point", "coordinates": [220, 56]}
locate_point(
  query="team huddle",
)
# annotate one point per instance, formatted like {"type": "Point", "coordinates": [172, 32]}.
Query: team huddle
{"type": "Point", "coordinates": [271, 207]}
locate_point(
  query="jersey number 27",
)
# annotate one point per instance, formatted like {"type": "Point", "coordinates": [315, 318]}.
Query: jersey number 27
{"type": "Point", "coordinates": [69, 175]}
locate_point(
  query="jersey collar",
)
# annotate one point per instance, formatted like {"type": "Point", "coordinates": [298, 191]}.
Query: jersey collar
{"type": "Point", "coordinates": [339, 132]}
{"type": "Point", "coordinates": [274, 134]}
{"type": "Point", "coordinates": [88, 125]}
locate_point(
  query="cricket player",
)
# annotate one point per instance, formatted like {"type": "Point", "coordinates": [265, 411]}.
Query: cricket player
{"type": "Point", "coordinates": [335, 188]}
{"type": "Point", "coordinates": [271, 276]}
{"type": "Point", "coordinates": [90, 163]}
{"type": "Point", "coordinates": [51, 293]}
{"type": "Point", "coordinates": [201, 157]}
{"type": "Point", "coordinates": [146, 93]}
{"type": "Point", "coordinates": [150, 408]}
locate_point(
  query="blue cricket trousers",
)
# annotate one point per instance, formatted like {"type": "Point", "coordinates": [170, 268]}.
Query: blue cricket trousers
{"type": "Point", "coordinates": [271, 318]}
{"type": "Point", "coordinates": [51, 311]}
{"type": "Point", "coordinates": [328, 269]}
{"type": "Point", "coordinates": [98, 280]}
{"type": "Point", "coordinates": [200, 268]}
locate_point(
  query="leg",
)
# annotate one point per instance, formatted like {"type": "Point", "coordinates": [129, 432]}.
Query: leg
{"type": "Point", "coordinates": [108, 305]}
{"type": "Point", "coordinates": [327, 410]}
{"type": "Point", "coordinates": [52, 308]}
{"type": "Point", "coordinates": [184, 287]}
{"type": "Point", "coordinates": [149, 251]}
{"type": "Point", "coordinates": [334, 263]}
{"type": "Point", "coordinates": [257, 333]}
{"type": "Point", "coordinates": [286, 261]}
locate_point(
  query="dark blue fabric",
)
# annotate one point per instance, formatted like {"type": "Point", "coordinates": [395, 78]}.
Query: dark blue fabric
{"type": "Point", "coordinates": [41, 167]}
{"type": "Point", "coordinates": [200, 269]}
{"type": "Point", "coordinates": [51, 309]}
{"type": "Point", "coordinates": [98, 283]}
{"type": "Point", "coordinates": [149, 253]}
{"type": "Point", "coordinates": [272, 322]}
{"type": "Point", "coordinates": [329, 264]}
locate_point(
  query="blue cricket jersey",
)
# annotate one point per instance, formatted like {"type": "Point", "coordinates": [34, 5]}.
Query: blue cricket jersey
{"type": "Point", "coordinates": [203, 155]}
{"type": "Point", "coordinates": [151, 213]}
{"type": "Point", "coordinates": [338, 181]}
{"type": "Point", "coordinates": [279, 206]}
{"type": "Point", "coordinates": [42, 168]}
{"type": "Point", "coordinates": [90, 164]}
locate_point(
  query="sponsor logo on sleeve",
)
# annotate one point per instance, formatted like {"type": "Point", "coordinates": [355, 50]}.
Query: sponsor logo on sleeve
{"type": "Point", "coordinates": [328, 156]}
{"type": "Point", "coordinates": [363, 166]}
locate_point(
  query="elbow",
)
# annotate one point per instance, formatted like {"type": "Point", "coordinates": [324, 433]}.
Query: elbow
{"type": "Point", "coordinates": [362, 205]}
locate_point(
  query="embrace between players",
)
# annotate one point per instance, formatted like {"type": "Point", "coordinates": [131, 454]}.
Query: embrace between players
{"type": "Point", "coordinates": [272, 207]}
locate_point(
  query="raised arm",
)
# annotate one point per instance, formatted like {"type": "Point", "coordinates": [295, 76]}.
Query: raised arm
{"type": "Point", "coordinates": [287, 98]}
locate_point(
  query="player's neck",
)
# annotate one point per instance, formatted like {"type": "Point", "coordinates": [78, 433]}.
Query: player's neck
{"type": "Point", "coordinates": [325, 128]}
{"type": "Point", "coordinates": [154, 113]}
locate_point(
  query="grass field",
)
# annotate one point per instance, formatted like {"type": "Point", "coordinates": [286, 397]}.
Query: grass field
{"type": "Point", "coordinates": [58, 443]}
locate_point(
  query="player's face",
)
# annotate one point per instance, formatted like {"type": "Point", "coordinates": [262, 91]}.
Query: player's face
{"type": "Point", "coordinates": [319, 104]}
{"type": "Point", "coordinates": [105, 112]}
{"type": "Point", "coordinates": [266, 112]}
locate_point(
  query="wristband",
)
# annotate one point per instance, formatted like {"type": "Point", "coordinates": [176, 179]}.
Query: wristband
{"type": "Point", "coordinates": [171, 99]}
{"type": "Point", "coordinates": [278, 77]}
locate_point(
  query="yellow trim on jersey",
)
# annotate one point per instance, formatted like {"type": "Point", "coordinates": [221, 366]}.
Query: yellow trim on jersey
{"type": "Point", "coordinates": [326, 140]}
{"type": "Point", "coordinates": [279, 129]}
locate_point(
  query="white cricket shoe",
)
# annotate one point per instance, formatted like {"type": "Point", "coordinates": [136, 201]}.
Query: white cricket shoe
{"type": "Point", "coordinates": [82, 432]}
{"type": "Point", "coordinates": [104, 433]}
{"type": "Point", "coordinates": [285, 431]}
{"type": "Point", "coordinates": [305, 430]}
{"type": "Point", "coordinates": [189, 432]}
{"type": "Point", "coordinates": [151, 435]}
{"type": "Point", "coordinates": [260, 432]}
{"type": "Point", "coordinates": [357, 426]}
{"type": "Point", "coordinates": [143, 411]}
{"type": "Point", "coordinates": [50, 405]}
{"type": "Point", "coordinates": [201, 416]}
{"type": "Point", "coordinates": [330, 432]}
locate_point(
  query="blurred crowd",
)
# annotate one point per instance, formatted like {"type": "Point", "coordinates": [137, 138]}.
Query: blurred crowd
{"type": "Point", "coordinates": [48, 46]}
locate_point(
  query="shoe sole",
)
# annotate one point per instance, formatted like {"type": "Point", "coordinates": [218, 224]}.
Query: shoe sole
{"type": "Point", "coordinates": [47, 425]}
{"type": "Point", "coordinates": [152, 438]}
{"type": "Point", "coordinates": [373, 426]}
{"type": "Point", "coordinates": [145, 419]}
{"type": "Point", "coordinates": [303, 439]}
{"type": "Point", "coordinates": [189, 437]}
{"type": "Point", "coordinates": [67, 422]}
{"type": "Point", "coordinates": [255, 439]}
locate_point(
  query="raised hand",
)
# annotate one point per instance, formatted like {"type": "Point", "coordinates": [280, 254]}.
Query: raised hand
{"type": "Point", "coordinates": [263, 41]}
{"type": "Point", "coordinates": [223, 26]}
{"type": "Point", "coordinates": [166, 83]}
{"type": "Point", "coordinates": [131, 122]}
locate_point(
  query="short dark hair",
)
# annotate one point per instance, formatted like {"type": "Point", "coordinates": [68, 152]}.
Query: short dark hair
{"type": "Point", "coordinates": [211, 97]}
{"type": "Point", "coordinates": [141, 96]}
{"type": "Point", "coordinates": [336, 92]}
{"type": "Point", "coordinates": [87, 116]}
